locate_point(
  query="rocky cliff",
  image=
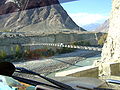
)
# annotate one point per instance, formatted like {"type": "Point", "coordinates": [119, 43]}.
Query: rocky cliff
{"type": "Point", "coordinates": [37, 16]}
{"type": "Point", "coordinates": [111, 49]}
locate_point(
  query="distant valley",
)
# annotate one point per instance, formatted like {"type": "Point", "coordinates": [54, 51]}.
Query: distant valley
{"type": "Point", "coordinates": [91, 27]}
{"type": "Point", "coordinates": [98, 27]}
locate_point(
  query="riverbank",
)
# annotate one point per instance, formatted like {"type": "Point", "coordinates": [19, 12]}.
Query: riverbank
{"type": "Point", "coordinates": [56, 63]}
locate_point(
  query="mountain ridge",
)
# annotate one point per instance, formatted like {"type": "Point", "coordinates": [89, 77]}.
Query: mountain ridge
{"type": "Point", "coordinates": [103, 27]}
{"type": "Point", "coordinates": [91, 27]}
{"type": "Point", "coordinates": [49, 18]}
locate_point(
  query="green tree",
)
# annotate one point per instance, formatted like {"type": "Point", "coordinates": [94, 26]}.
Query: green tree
{"type": "Point", "coordinates": [18, 53]}
{"type": "Point", "coordinates": [102, 39]}
{"type": "Point", "coordinates": [2, 54]}
{"type": "Point", "coordinates": [17, 49]}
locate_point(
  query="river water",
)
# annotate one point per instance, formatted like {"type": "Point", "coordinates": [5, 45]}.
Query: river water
{"type": "Point", "coordinates": [85, 62]}
{"type": "Point", "coordinates": [61, 62]}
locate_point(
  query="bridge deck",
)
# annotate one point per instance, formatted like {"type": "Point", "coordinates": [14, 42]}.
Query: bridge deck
{"type": "Point", "coordinates": [64, 45]}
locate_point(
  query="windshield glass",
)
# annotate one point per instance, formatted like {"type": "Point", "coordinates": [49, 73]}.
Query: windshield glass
{"type": "Point", "coordinates": [50, 36]}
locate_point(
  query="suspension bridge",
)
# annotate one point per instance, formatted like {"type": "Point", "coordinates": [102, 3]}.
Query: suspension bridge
{"type": "Point", "coordinates": [65, 45]}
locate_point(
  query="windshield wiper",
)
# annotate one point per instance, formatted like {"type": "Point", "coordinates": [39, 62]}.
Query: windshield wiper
{"type": "Point", "coordinates": [32, 82]}
{"type": "Point", "coordinates": [59, 84]}
{"type": "Point", "coordinates": [7, 69]}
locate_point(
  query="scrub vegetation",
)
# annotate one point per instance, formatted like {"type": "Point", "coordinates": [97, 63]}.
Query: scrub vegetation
{"type": "Point", "coordinates": [102, 39]}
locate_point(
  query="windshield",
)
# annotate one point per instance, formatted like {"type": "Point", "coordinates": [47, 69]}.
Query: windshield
{"type": "Point", "coordinates": [50, 36]}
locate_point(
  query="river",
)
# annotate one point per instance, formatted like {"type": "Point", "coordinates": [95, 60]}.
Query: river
{"type": "Point", "coordinates": [85, 62]}
{"type": "Point", "coordinates": [50, 66]}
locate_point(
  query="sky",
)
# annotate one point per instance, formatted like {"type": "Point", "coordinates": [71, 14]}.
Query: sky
{"type": "Point", "coordinates": [85, 12]}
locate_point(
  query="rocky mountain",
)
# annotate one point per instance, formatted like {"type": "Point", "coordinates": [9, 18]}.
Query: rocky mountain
{"type": "Point", "coordinates": [91, 27]}
{"type": "Point", "coordinates": [34, 16]}
{"type": "Point", "coordinates": [9, 6]}
{"type": "Point", "coordinates": [103, 27]}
